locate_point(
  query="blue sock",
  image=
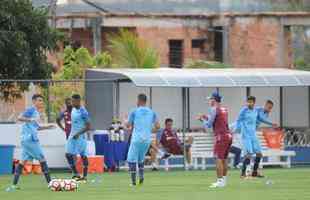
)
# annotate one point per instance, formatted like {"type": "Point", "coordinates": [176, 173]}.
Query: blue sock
{"type": "Point", "coordinates": [17, 174]}
{"type": "Point", "coordinates": [85, 166]}
{"type": "Point", "coordinates": [133, 172]}
{"type": "Point", "coordinates": [141, 171]}
{"type": "Point", "coordinates": [246, 162]}
{"type": "Point", "coordinates": [71, 162]}
{"type": "Point", "coordinates": [45, 171]}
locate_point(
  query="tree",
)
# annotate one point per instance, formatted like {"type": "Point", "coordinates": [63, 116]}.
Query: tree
{"type": "Point", "coordinates": [25, 37]}
{"type": "Point", "coordinates": [130, 51]}
{"type": "Point", "coordinates": [76, 61]}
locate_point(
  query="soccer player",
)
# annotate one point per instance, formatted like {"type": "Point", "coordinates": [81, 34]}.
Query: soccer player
{"type": "Point", "coordinates": [77, 142]}
{"type": "Point", "coordinates": [141, 121]}
{"type": "Point", "coordinates": [66, 116]}
{"type": "Point", "coordinates": [218, 120]}
{"type": "Point", "coordinates": [169, 140]}
{"type": "Point", "coordinates": [247, 121]}
{"type": "Point", "coordinates": [30, 145]}
{"type": "Point", "coordinates": [264, 113]}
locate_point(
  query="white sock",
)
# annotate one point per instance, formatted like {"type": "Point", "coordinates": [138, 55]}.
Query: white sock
{"type": "Point", "coordinates": [154, 165]}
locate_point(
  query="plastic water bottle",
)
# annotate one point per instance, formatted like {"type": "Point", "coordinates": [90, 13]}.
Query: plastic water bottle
{"type": "Point", "coordinates": [121, 135]}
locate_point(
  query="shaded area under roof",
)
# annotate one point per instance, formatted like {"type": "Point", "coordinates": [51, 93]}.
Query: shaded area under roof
{"type": "Point", "coordinates": [233, 77]}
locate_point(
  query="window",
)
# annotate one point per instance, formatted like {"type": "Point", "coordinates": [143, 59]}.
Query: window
{"type": "Point", "coordinates": [176, 53]}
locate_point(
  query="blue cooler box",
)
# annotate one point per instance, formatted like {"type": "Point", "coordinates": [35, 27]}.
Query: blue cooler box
{"type": "Point", "coordinates": [6, 158]}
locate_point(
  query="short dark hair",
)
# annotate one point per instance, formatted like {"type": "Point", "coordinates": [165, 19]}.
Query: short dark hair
{"type": "Point", "coordinates": [269, 102]}
{"type": "Point", "coordinates": [251, 98]}
{"type": "Point", "coordinates": [168, 120]}
{"type": "Point", "coordinates": [76, 97]}
{"type": "Point", "coordinates": [68, 99]}
{"type": "Point", "coordinates": [35, 96]}
{"type": "Point", "coordinates": [142, 97]}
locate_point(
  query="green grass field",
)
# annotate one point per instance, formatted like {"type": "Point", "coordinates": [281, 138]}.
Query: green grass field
{"type": "Point", "coordinates": [288, 184]}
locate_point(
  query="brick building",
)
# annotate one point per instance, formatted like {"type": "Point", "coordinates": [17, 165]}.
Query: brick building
{"type": "Point", "coordinates": [182, 30]}
{"type": "Point", "coordinates": [243, 34]}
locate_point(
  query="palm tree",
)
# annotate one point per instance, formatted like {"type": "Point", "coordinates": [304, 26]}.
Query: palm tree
{"type": "Point", "coordinates": [128, 50]}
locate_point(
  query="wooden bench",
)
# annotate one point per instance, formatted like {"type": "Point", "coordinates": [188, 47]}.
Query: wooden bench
{"type": "Point", "coordinates": [274, 157]}
{"type": "Point", "coordinates": [202, 150]}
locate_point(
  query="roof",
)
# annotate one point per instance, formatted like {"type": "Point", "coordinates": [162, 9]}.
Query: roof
{"type": "Point", "coordinates": [172, 7]}
{"type": "Point", "coordinates": [232, 77]}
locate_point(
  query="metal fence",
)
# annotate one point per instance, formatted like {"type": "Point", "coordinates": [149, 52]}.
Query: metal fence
{"type": "Point", "coordinates": [54, 92]}
{"type": "Point", "coordinates": [297, 137]}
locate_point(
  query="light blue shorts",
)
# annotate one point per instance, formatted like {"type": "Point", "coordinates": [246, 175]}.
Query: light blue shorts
{"type": "Point", "coordinates": [137, 151]}
{"type": "Point", "coordinates": [77, 146]}
{"type": "Point", "coordinates": [31, 151]}
{"type": "Point", "coordinates": [251, 146]}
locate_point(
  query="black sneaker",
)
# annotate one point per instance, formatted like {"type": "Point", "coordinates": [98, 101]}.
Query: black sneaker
{"type": "Point", "coordinates": [154, 169]}
{"type": "Point", "coordinates": [82, 180]}
{"type": "Point", "coordinates": [76, 177]}
{"type": "Point", "coordinates": [257, 175]}
{"type": "Point", "coordinates": [167, 155]}
{"type": "Point", "coordinates": [141, 181]}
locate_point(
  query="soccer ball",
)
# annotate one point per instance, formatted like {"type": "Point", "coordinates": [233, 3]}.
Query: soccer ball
{"type": "Point", "coordinates": [69, 185]}
{"type": "Point", "coordinates": [55, 185]}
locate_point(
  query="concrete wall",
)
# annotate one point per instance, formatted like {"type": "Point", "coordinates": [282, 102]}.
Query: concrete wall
{"type": "Point", "coordinates": [52, 142]}
{"type": "Point", "coordinates": [259, 42]}
{"type": "Point", "coordinates": [159, 38]}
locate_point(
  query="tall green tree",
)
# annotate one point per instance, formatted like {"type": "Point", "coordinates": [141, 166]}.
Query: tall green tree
{"type": "Point", "coordinates": [25, 37]}
{"type": "Point", "coordinates": [130, 51]}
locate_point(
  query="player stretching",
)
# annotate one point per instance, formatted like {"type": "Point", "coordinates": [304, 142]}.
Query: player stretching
{"type": "Point", "coordinates": [141, 120]}
{"type": "Point", "coordinates": [247, 121]}
{"type": "Point", "coordinates": [30, 145]}
{"type": "Point", "coordinates": [218, 120]}
{"type": "Point", "coordinates": [77, 143]}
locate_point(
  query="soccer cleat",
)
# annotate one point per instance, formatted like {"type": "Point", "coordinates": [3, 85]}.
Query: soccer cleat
{"type": "Point", "coordinates": [132, 184]}
{"type": "Point", "coordinates": [76, 177]}
{"type": "Point", "coordinates": [82, 180]}
{"type": "Point", "coordinates": [141, 181]}
{"type": "Point", "coordinates": [165, 156]}
{"type": "Point", "coordinates": [12, 188]}
{"type": "Point", "coordinates": [257, 175]}
{"type": "Point", "coordinates": [154, 169]}
{"type": "Point", "coordinates": [219, 184]}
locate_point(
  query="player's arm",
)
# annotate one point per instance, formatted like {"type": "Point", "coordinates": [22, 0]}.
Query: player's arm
{"type": "Point", "coordinates": [46, 127]}
{"type": "Point", "coordinates": [82, 131]}
{"type": "Point", "coordinates": [240, 119]}
{"type": "Point", "coordinates": [130, 121]}
{"type": "Point", "coordinates": [26, 116]}
{"type": "Point", "coordinates": [264, 119]}
{"type": "Point", "coordinates": [209, 120]}
{"type": "Point", "coordinates": [59, 119]}
{"type": "Point", "coordinates": [156, 123]}
{"type": "Point", "coordinates": [87, 127]}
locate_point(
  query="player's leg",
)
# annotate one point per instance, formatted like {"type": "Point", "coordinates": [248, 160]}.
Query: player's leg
{"type": "Point", "coordinates": [153, 154]}
{"type": "Point", "coordinates": [71, 157]}
{"type": "Point", "coordinates": [38, 155]}
{"type": "Point", "coordinates": [19, 168]}
{"type": "Point", "coordinates": [132, 159]}
{"type": "Point", "coordinates": [259, 155]}
{"type": "Point", "coordinates": [248, 151]}
{"type": "Point", "coordinates": [237, 152]}
{"type": "Point", "coordinates": [142, 152]}
{"type": "Point", "coordinates": [83, 153]}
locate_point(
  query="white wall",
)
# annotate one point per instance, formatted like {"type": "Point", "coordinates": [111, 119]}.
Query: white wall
{"type": "Point", "coordinates": [167, 103]}
{"type": "Point", "coordinates": [233, 100]}
{"type": "Point", "coordinates": [273, 93]}
{"type": "Point", "coordinates": [128, 97]}
{"type": "Point", "coordinates": [295, 107]}
{"type": "Point", "coordinates": [198, 104]}
{"type": "Point", "coordinates": [52, 142]}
